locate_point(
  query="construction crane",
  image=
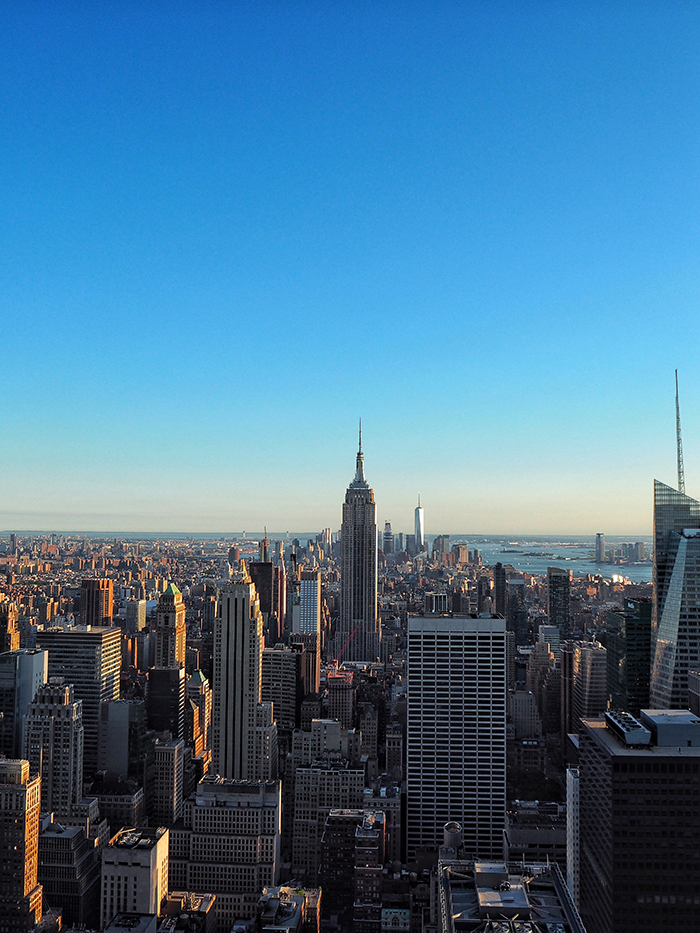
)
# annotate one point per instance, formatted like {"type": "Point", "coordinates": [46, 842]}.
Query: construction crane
{"type": "Point", "coordinates": [349, 639]}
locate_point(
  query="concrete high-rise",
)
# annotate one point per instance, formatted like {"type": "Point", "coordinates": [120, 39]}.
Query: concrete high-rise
{"type": "Point", "coordinates": [90, 659]}
{"type": "Point", "coordinates": [21, 674]}
{"type": "Point", "coordinates": [358, 634]}
{"type": "Point", "coordinates": [9, 633]}
{"type": "Point", "coordinates": [639, 810]}
{"type": "Point", "coordinates": [456, 735]}
{"type": "Point", "coordinates": [134, 873]}
{"type": "Point", "coordinates": [419, 528]}
{"type": "Point", "coordinates": [600, 548]}
{"type": "Point", "coordinates": [676, 606]}
{"type": "Point", "coordinates": [171, 629]}
{"type": "Point", "coordinates": [306, 602]}
{"type": "Point", "coordinates": [238, 647]}
{"type": "Point", "coordinates": [629, 655]}
{"type": "Point", "coordinates": [96, 602]}
{"type": "Point", "coordinates": [20, 800]}
{"type": "Point", "coordinates": [558, 598]}
{"type": "Point", "coordinates": [53, 746]}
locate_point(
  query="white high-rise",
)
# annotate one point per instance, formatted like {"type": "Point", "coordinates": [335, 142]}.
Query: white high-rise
{"type": "Point", "coordinates": [420, 527]}
{"type": "Point", "coordinates": [237, 723]}
{"type": "Point", "coordinates": [456, 737]}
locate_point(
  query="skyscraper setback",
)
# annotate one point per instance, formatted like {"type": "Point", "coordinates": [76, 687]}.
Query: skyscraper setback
{"type": "Point", "coordinates": [676, 607]}
{"type": "Point", "coordinates": [358, 635]}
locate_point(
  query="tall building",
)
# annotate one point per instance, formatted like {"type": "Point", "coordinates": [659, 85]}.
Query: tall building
{"type": "Point", "coordinates": [358, 630]}
{"type": "Point", "coordinates": [590, 688]}
{"type": "Point", "coordinates": [20, 801]}
{"type": "Point", "coordinates": [419, 528]}
{"type": "Point", "coordinates": [228, 843]}
{"type": "Point", "coordinates": [306, 603]}
{"type": "Point", "coordinates": [629, 655]}
{"type": "Point", "coordinates": [171, 629]}
{"type": "Point", "coordinates": [676, 607]}
{"type": "Point", "coordinates": [238, 647]}
{"type": "Point", "coordinates": [53, 746]}
{"type": "Point", "coordinates": [456, 734]}
{"type": "Point", "coordinates": [134, 873]}
{"type": "Point", "coordinates": [135, 615]}
{"type": "Point", "coordinates": [558, 598]}
{"type": "Point", "coordinates": [310, 645]}
{"type": "Point", "coordinates": [96, 602]}
{"type": "Point", "coordinates": [600, 548]}
{"type": "Point", "coordinates": [69, 873]}
{"type": "Point", "coordinates": [21, 674]}
{"type": "Point", "coordinates": [90, 659]}
{"type": "Point", "coordinates": [388, 539]}
{"type": "Point", "coordinates": [9, 633]}
{"type": "Point", "coordinates": [639, 810]}
{"type": "Point", "coordinates": [165, 701]}
{"type": "Point", "coordinates": [280, 684]}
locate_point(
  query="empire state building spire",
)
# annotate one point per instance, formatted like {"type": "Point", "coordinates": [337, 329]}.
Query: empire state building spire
{"type": "Point", "coordinates": [358, 632]}
{"type": "Point", "coordinates": [360, 464]}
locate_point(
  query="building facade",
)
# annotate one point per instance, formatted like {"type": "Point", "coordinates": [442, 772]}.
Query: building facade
{"type": "Point", "coordinates": [358, 637]}
{"type": "Point", "coordinates": [20, 801]}
{"type": "Point", "coordinates": [456, 734]}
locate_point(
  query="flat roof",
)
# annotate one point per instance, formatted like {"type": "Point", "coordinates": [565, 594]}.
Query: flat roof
{"type": "Point", "coordinates": [606, 738]}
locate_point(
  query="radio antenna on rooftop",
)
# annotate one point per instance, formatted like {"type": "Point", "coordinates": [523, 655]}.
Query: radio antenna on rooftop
{"type": "Point", "coordinates": [679, 443]}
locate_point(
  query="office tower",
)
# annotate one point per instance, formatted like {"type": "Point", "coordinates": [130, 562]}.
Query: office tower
{"type": "Point", "coordinates": [168, 782]}
{"type": "Point", "coordinates": [336, 864]}
{"type": "Point", "coordinates": [135, 616]}
{"type": "Point", "coordinates": [96, 602]}
{"type": "Point", "coordinates": [441, 545]}
{"type": "Point", "coordinates": [629, 655]}
{"type": "Point", "coordinates": [358, 630]}
{"type": "Point", "coordinates": [319, 788]}
{"type": "Point", "coordinates": [341, 697]}
{"type": "Point", "coordinates": [69, 873]}
{"type": "Point", "coordinates": [21, 674]}
{"type": "Point", "coordinates": [9, 634]}
{"type": "Point", "coordinates": [228, 843]}
{"type": "Point", "coordinates": [368, 724]}
{"type": "Point", "coordinates": [590, 697]}
{"type": "Point", "coordinates": [676, 607]}
{"type": "Point", "coordinates": [90, 659]}
{"type": "Point", "coordinates": [124, 748]}
{"type": "Point", "coordinates": [281, 684]}
{"type": "Point", "coordinates": [238, 647]}
{"type": "Point", "coordinates": [549, 635]}
{"type": "Point", "coordinates": [573, 842]}
{"type": "Point", "coordinates": [456, 736]}
{"type": "Point", "coordinates": [388, 539]}
{"type": "Point", "coordinates": [199, 692]}
{"type": "Point", "coordinates": [306, 608]}
{"type": "Point", "coordinates": [20, 800]}
{"type": "Point", "coordinates": [419, 528]}
{"type": "Point", "coordinates": [165, 700]}
{"type": "Point", "coordinates": [500, 581]}
{"type": "Point", "coordinates": [171, 630]}
{"type": "Point", "coordinates": [558, 597]}
{"type": "Point", "coordinates": [53, 746]}
{"type": "Point", "coordinates": [639, 810]}
{"type": "Point", "coordinates": [134, 873]}
{"type": "Point", "coordinates": [267, 579]}
{"type": "Point", "coordinates": [310, 645]}
{"type": "Point", "coordinates": [394, 751]}
{"type": "Point", "coordinates": [600, 548]}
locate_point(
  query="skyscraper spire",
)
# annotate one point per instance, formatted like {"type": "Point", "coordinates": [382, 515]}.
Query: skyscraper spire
{"type": "Point", "coordinates": [679, 443]}
{"type": "Point", "coordinates": [360, 464]}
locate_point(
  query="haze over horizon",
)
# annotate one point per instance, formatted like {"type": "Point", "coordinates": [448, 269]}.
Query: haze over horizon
{"type": "Point", "coordinates": [228, 231]}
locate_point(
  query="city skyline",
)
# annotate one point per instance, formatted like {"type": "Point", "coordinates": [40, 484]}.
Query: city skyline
{"type": "Point", "coordinates": [239, 228]}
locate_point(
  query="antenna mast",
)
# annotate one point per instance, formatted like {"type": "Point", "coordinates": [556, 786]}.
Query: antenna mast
{"type": "Point", "coordinates": [679, 443]}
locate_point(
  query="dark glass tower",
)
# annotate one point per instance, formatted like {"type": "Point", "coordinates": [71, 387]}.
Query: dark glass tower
{"type": "Point", "coordinates": [358, 635]}
{"type": "Point", "coordinates": [629, 655]}
{"type": "Point", "coordinates": [676, 607]}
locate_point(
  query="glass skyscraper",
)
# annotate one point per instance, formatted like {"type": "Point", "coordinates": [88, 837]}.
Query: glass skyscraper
{"type": "Point", "coordinates": [676, 608]}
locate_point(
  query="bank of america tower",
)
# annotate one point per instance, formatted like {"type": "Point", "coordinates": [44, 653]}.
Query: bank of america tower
{"type": "Point", "coordinates": [358, 632]}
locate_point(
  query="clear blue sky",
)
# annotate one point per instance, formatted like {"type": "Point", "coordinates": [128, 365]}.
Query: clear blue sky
{"type": "Point", "coordinates": [227, 230]}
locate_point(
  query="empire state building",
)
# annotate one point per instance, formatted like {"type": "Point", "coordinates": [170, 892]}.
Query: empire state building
{"type": "Point", "coordinates": [359, 634]}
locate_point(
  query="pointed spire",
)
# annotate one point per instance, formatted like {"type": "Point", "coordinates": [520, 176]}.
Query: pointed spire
{"type": "Point", "coordinates": [418, 500]}
{"type": "Point", "coordinates": [360, 463]}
